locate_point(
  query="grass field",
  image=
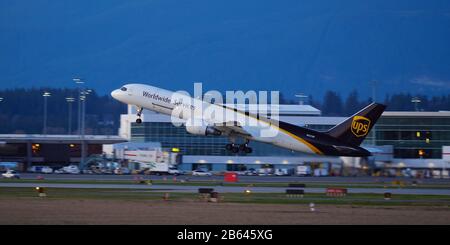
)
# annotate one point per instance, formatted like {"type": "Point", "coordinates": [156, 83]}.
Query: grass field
{"type": "Point", "coordinates": [259, 198]}
{"type": "Point", "coordinates": [406, 185]}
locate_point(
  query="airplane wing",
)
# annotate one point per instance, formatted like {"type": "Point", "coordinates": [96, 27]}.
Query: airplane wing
{"type": "Point", "coordinates": [234, 127]}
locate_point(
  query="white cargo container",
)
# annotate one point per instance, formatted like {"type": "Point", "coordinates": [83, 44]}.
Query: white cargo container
{"type": "Point", "coordinates": [153, 162]}
{"type": "Point", "coordinates": [159, 168]}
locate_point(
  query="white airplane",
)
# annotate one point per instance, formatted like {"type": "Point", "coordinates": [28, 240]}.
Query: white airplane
{"type": "Point", "coordinates": [342, 140]}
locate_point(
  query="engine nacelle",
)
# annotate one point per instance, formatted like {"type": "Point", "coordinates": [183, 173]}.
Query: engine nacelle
{"type": "Point", "coordinates": [201, 129]}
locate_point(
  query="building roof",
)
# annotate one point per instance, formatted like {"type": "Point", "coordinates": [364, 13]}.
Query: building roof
{"type": "Point", "coordinates": [416, 114]}
{"type": "Point", "coordinates": [304, 121]}
{"type": "Point", "coordinates": [203, 159]}
{"type": "Point", "coordinates": [299, 115]}
{"type": "Point", "coordinates": [137, 146]}
{"type": "Point", "coordinates": [40, 138]}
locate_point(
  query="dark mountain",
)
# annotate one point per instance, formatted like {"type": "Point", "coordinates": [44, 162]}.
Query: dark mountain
{"type": "Point", "coordinates": [292, 45]}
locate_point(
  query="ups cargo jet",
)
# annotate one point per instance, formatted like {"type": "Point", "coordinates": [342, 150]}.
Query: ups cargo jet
{"type": "Point", "coordinates": [342, 140]}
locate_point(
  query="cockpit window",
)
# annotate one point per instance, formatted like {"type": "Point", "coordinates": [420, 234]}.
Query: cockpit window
{"type": "Point", "coordinates": [123, 88]}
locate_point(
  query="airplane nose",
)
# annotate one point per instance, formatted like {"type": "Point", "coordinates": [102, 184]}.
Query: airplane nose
{"type": "Point", "coordinates": [115, 93]}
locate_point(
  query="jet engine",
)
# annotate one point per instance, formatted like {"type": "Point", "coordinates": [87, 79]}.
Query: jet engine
{"type": "Point", "coordinates": [201, 128]}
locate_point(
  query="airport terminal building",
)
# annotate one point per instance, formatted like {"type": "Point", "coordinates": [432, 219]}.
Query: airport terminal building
{"type": "Point", "coordinates": [398, 140]}
{"type": "Point", "coordinates": [50, 150]}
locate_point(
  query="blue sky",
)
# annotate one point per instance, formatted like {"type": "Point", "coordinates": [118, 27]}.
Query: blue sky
{"type": "Point", "coordinates": [292, 45]}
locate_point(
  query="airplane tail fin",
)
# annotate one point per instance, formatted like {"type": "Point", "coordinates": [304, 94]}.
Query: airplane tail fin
{"type": "Point", "coordinates": [354, 129]}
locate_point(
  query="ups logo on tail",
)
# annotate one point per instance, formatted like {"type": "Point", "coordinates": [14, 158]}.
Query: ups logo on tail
{"type": "Point", "coordinates": [360, 126]}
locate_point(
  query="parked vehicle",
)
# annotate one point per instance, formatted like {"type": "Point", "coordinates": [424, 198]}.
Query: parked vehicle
{"type": "Point", "coordinates": [320, 172]}
{"type": "Point", "coordinates": [174, 171]}
{"type": "Point", "coordinates": [34, 169]}
{"type": "Point", "coordinates": [40, 169]}
{"type": "Point", "coordinates": [11, 174]}
{"type": "Point", "coordinates": [87, 171]}
{"type": "Point", "coordinates": [303, 170]}
{"type": "Point", "coordinates": [200, 172]}
{"type": "Point", "coordinates": [265, 171]}
{"type": "Point", "coordinates": [250, 172]}
{"type": "Point", "coordinates": [281, 172]}
{"type": "Point", "coordinates": [121, 171]}
{"type": "Point", "coordinates": [46, 170]}
{"type": "Point", "coordinates": [59, 171]}
{"type": "Point", "coordinates": [71, 169]}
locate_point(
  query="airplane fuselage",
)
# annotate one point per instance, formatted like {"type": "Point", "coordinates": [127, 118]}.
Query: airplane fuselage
{"type": "Point", "coordinates": [251, 127]}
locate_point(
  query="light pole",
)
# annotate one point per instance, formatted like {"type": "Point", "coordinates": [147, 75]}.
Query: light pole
{"type": "Point", "coordinates": [70, 100]}
{"type": "Point", "coordinates": [83, 143]}
{"type": "Point", "coordinates": [1, 99]}
{"type": "Point", "coordinates": [416, 101]}
{"type": "Point", "coordinates": [83, 97]}
{"type": "Point", "coordinates": [81, 108]}
{"type": "Point", "coordinates": [301, 98]}
{"type": "Point", "coordinates": [83, 111]}
{"type": "Point", "coordinates": [79, 83]}
{"type": "Point", "coordinates": [45, 95]}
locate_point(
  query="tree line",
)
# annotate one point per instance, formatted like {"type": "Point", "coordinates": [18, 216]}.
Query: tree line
{"type": "Point", "coordinates": [333, 104]}
{"type": "Point", "coordinates": [22, 110]}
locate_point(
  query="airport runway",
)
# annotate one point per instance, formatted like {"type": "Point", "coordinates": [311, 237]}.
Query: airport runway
{"type": "Point", "coordinates": [224, 189]}
{"type": "Point", "coordinates": [245, 179]}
